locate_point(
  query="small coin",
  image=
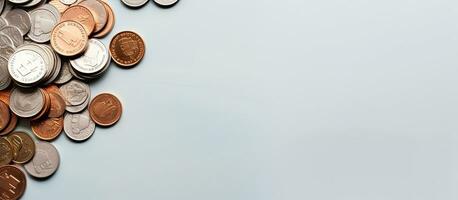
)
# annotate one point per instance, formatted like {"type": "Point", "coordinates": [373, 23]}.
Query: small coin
{"type": "Point", "coordinates": [11, 125]}
{"type": "Point", "coordinates": [20, 19]}
{"type": "Point", "coordinates": [79, 126]}
{"type": "Point", "coordinates": [23, 146]}
{"type": "Point", "coordinates": [47, 128]}
{"type": "Point", "coordinates": [81, 15]}
{"type": "Point", "coordinates": [4, 115]}
{"type": "Point", "coordinates": [45, 162]}
{"type": "Point", "coordinates": [6, 152]}
{"type": "Point", "coordinates": [69, 38]}
{"type": "Point", "coordinates": [98, 12]}
{"type": "Point", "coordinates": [13, 182]}
{"type": "Point", "coordinates": [134, 3]}
{"type": "Point", "coordinates": [105, 109]}
{"type": "Point", "coordinates": [26, 103]}
{"type": "Point", "coordinates": [165, 3]}
{"type": "Point", "coordinates": [127, 48]}
{"type": "Point", "coordinates": [110, 22]}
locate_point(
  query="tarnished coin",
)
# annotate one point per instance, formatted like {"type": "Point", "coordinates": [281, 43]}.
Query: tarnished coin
{"type": "Point", "coordinates": [13, 182]}
{"type": "Point", "coordinates": [127, 48]}
{"type": "Point", "coordinates": [14, 33]}
{"type": "Point", "coordinates": [105, 109]}
{"type": "Point", "coordinates": [81, 15]}
{"type": "Point", "coordinates": [79, 126]}
{"type": "Point", "coordinates": [69, 38]}
{"type": "Point", "coordinates": [6, 152]}
{"type": "Point", "coordinates": [45, 162]}
{"type": "Point", "coordinates": [68, 2]}
{"type": "Point", "coordinates": [5, 79]}
{"type": "Point", "coordinates": [47, 128]}
{"type": "Point", "coordinates": [110, 22]}
{"type": "Point", "coordinates": [11, 125]}
{"type": "Point", "coordinates": [44, 18]}
{"type": "Point", "coordinates": [27, 66]}
{"type": "Point", "coordinates": [20, 19]}
{"type": "Point", "coordinates": [98, 12]}
{"type": "Point", "coordinates": [26, 103]}
{"type": "Point", "coordinates": [23, 146]}
{"type": "Point", "coordinates": [93, 60]}
{"type": "Point", "coordinates": [165, 3]}
{"type": "Point", "coordinates": [75, 92]}
{"type": "Point", "coordinates": [4, 115]}
{"type": "Point", "coordinates": [134, 3]}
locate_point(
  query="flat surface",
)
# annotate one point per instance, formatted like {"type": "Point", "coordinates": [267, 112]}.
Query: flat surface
{"type": "Point", "coordinates": [284, 100]}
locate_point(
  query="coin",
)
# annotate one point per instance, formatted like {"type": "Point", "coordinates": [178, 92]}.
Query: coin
{"type": "Point", "coordinates": [11, 125]}
{"type": "Point", "coordinates": [165, 3]}
{"type": "Point", "coordinates": [6, 41]}
{"type": "Point", "coordinates": [23, 146]}
{"type": "Point", "coordinates": [75, 92]}
{"type": "Point", "coordinates": [105, 109]}
{"type": "Point", "coordinates": [26, 103]}
{"type": "Point", "coordinates": [69, 38]}
{"type": "Point", "coordinates": [68, 2]}
{"type": "Point", "coordinates": [59, 5]}
{"type": "Point", "coordinates": [4, 115]}
{"type": "Point", "coordinates": [82, 15]}
{"type": "Point", "coordinates": [134, 3]}
{"type": "Point", "coordinates": [98, 12]}
{"type": "Point", "coordinates": [14, 33]}
{"type": "Point", "coordinates": [19, 1]}
{"type": "Point", "coordinates": [46, 107]}
{"type": "Point", "coordinates": [47, 128]}
{"type": "Point", "coordinates": [5, 79]}
{"type": "Point", "coordinates": [79, 126]}
{"type": "Point", "coordinates": [6, 152]}
{"type": "Point", "coordinates": [27, 66]}
{"type": "Point", "coordinates": [110, 22]}
{"type": "Point", "coordinates": [5, 96]}
{"type": "Point", "coordinates": [127, 48]}
{"type": "Point", "coordinates": [20, 19]}
{"type": "Point", "coordinates": [45, 162]}
{"type": "Point", "coordinates": [57, 105]}
{"type": "Point", "coordinates": [13, 182]}
{"type": "Point", "coordinates": [44, 18]}
{"type": "Point", "coordinates": [64, 74]}
{"type": "Point", "coordinates": [6, 52]}
{"type": "Point", "coordinates": [94, 59]}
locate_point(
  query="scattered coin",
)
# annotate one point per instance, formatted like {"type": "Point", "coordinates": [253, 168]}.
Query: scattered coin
{"type": "Point", "coordinates": [93, 63]}
{"type": "Point", "coordinates": [127, 48]}
{"type": "Point", "coordinates": [105, 109]}
{"type": "Point", "coordinates": [23, 146]}
{"type": "Point", "coordinates": [45, 162]}
{"type": "Point", "coordinates": [47, 128]}
{"type": "Point", "coordinates": [78, 126]}
{"type": "Point", "coordinates": [13, 182]}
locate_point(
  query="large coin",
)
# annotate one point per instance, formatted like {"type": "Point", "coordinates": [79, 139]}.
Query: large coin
{"type": "Point", "coordinates": [13, 182]}
{"type": "Point", "coordinates": [27, 66]}
{"type": "Point", "coordinates": [23, 146]}
{"type": "Point", "coordinates": [26, 103]}
{"type": "Point", "coordinates": [127, 48]}
{"type": "Point", "coordinates": [6, 152]}
{"type": "Point", "coordinates": [105, 109]}
{"type": "Point", "coordinates": [45, 162]}
{"type": "Point", "coordinates": [69, 38]}
{"type": "Point", "coordinates": [79, 126]}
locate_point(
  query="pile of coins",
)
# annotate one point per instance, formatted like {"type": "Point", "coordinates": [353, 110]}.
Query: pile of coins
{"type": "Point", "coordinates": [48, 53]}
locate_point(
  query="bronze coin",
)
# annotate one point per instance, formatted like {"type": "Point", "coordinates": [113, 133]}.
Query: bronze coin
{"type": "Point", "coordinates": [5, 96]}
{"type": "Point", "coordinates": [59, 5]}
{"type": "Point", "coordinates": [98, 12]}
{"type": "Point", "coordinates": [57, 105]}
{"type": "Point", "coordinates": [11, 125]}
{"type": "Point", "coordinates": [12, 181]}
{"type": "Point", "coordinates": [46, 107]}
{"type": "Point", "coordinates": [47, 129]}
{"type": "Point", "coordinates": [110, 22]}
{"type": "Point", "coordinates": [105, 109]}
{"type": "Point", "coordinates": [127, 48]}
{"type": "Point", "coordinates": [69, 38]}
{"type": "Point", "coordinates": [23, 146]}
{"type": "Point", "coordinates": [81, 15]}
{"type": "Point", "coordinates": [4, 115]}
{"type": "Point", "coordinates": [6, 152]}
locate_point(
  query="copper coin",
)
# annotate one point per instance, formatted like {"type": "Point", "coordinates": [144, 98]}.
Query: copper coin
{"type": "Point", "coordinates": [110, 22]}
{"type": "Point", "coordinates": [59, 5]}
{"type": "Point", "coordinates": [81, 15]}
{"type": "Point", "coordinates": [69, 38]}
{"type": "Point", "coordinates": [98, 11]}
{"type": "Point", "coordinates": [53, 89]}
{"type": "Point", "coordinates": [47, 129]}
{"type": "Point", "coordinates": [127, 48]}
{"type": "Point", "coordinates": [105, 109]}
{"type": "Point", "coordinates": [4, 115]}
{"type": "Point", "coordinates": [6, 152]}
{"type": "Point", "coordinates": [23, 146]}
{"type": "Point", "coordinates": [47, 105]}
{"type": "Point", "coordinates": [11, 125]}
{"type": "Point", "coordinates": [57, 105]}
{"type": "Point", "coordinates": [5, 96]}
{"type": "Point", "coordinates": [12, 182]}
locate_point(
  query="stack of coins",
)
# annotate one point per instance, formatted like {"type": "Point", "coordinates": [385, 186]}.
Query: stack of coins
{"type": "Point", "coordinates": [48, 53]}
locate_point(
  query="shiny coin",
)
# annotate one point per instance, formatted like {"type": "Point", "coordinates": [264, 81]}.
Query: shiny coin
{"type": "Point", "coordinates": [23, 146]}
{"type": "Point", "coordinates": [47, 128]}
{"type": "Point", "coordinates": [93, 60]}
{"type": "Point", "coordinates": [44, 19]}
{"type": "Point", "coordinates": [134, 3]}
{"type": "Point", "coordinates": [75, 92]}
{"type": "Point", "coordinates": [79, 126]}
{"type": "Point", "coordinates": [110, 22]}
{"type": "Point", "coordinates": [11, 125]}
{"type": "Point", "coordinates": [5, 79]}
{"type": "Point", "coordinates": [26, 103]}
{"type": "Point", "coordinates": [27, 66]}
{"type": "Point", "coordinates": [6, 152]}
{"type": "Point", "coordinates": [69, 38]}
{"type": "Point", "coordinates": [81, 15]}
{"type": "Point", "coordinates": [105, 109]}
{"type": "Point", "coordinates": [20, 19]}
{"type": "Point", "coordinates": [45, 162]}
{"type": "Point", "coordinates": [4, 115]}
{"type": "Point", "coordinates": [13, 182]}
{"type": "Point", "coordinates": [14, 33]}
{"type": "Point", "coordinates": [127, 48]}
{"type": "Point", "coordinates": [98, 12]}
{"type": "Point", "coordinates": [165, 3]}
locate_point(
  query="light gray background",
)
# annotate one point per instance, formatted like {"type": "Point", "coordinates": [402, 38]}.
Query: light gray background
{"type": "Point", "coordinates": [284, 100]}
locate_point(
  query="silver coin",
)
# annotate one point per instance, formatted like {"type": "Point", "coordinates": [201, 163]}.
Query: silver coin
{"type": "Point", "coordinates": [19, 1]}
{"type": "Point", "coordinates": [27, 66]}
{"type": "Point", "coordinates": [3, 22]}
{"type": "Point", "coordinates": [45, 162]}
{"type": "Point", "coordinates": [26, 102]}
{"type": "Point", "coordinates": [20, 19]}
{"type": "Point", "coordinates": [6, 51]}
{"type": "Point", "coordinates": [5, 41]}
{"type": "Point", "coordinates": [166, 3]}
{"type": "Point", "coordinates": [78, 108]}
{"type": "Point", "coordinates": [79, 126]}
{"type": "Point", "coordinates": [43, 21]}
{"type": "Point", "coordinates": [14, 33]}
{"type": "Point", "coordinates": [68, 2]}
{"type": "Point", "coordinates": [33, 3]}
{"type": "Point", "coordinates": [75, 92]}
{"type": "Point", "coordinates": [2, 5]}
{"type": "Point", "coordinates": [94, 58]}
{"type": "Point", "coordinates": [5, 79]}
{"type": "Point", "coordinates": [134, 3]}
{"type": "Point", "coordinates": [64, 75]}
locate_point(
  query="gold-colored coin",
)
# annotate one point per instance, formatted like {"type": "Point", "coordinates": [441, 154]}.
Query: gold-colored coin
{"type": "Point", "coordinates": [23, 146]}
{"type": "Point", "coordinates": [6, 152]}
